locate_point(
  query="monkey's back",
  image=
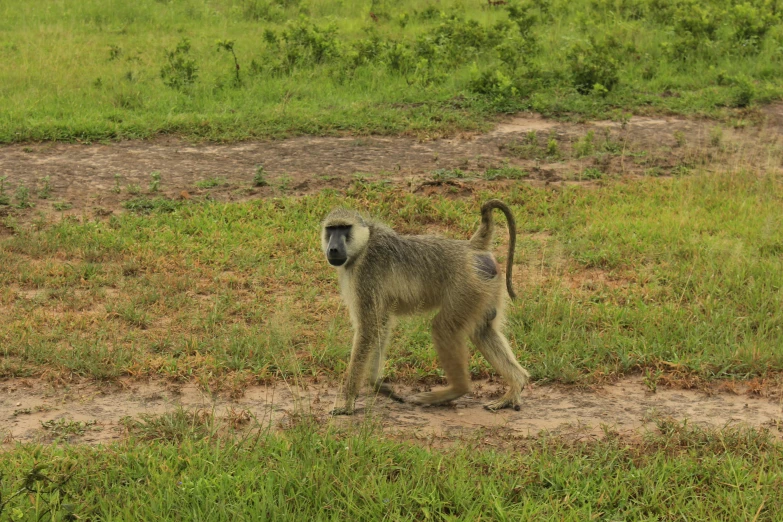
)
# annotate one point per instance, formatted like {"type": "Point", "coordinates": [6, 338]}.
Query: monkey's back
{"type": "Point", "coordinates": [413, 273]}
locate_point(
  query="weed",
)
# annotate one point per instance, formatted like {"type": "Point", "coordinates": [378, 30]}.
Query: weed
{"type": "Point", "coordinates": [679, 138]}
{"type": "Point", "coordinates": [45, 191]}
{"type": "Point", "coordinates": [585, 146]}
{"type": "Point", "coordinates": [259, 178]}
{"type": "Point", "coordinates": [552, 148]}
{"type": "Point", "coordinates": [155, 182]}
{"type": "Point", "coordinates": [133, 189]}
{"type": "Point", "coordinates": [210, 183]}
{"type": "Point", "coordinates": [716, 136]}
{"type": "Point", "coordinates": [146, 205]}
{"type": "Point", "coordinates": [228, 46]}
{"type": "Point", "coordinates": [681, 170]}
{"type": "Point", "coordinates": [592, 173]}
{"type": "Point", "coordinates": [114, 52]}
{"type": "Point", "coordinates": [61, 206]}
{"type": "Point", "coordinates": [593, 67]}
{"type": "Point", "coordinates": [284, 182]}
{"type": "Point", "coordinates": [174, 427]}
{"type": "Point", "coordinates": [4, 199]}
{"type": "Point", "coordinates": [117, 188]}
{"type": "Point", "coordinates": [22, 197]}
{"type": "Point", "coordinates": [63, 429]}
{"type": "Point", "coordinates": [447, 174]}
{"type": "Point", "coordinates": [180, 71]}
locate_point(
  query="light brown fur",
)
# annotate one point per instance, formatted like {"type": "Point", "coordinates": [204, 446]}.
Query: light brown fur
{"type": "Point", "coordinates": [386, 275]}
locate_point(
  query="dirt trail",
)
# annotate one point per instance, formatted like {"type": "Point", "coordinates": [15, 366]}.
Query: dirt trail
{"type": "Point", "coordinates": [627, 407]}
{"type": "Point", "coordinates": [97, 178]}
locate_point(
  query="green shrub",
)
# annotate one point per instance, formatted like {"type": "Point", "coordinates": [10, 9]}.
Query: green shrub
{"type": "Point", "coordinates": [180, 70]}
{"type": "Point", "coordinates": [593, 68]}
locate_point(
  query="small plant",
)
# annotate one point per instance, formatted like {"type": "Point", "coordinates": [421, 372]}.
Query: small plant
{"type": "Point", "coordinates": [585, 146]}
{"type": "Point", "coordinates": [592, 173]}
{"type": "Point", "coordinates": [66, 428]}
{"type": "Point", "coordinates": [651, 379]}
{"type": "Point", "coordinates": [259, 178]}
{"type": "Point", "coordinates": [210, 183]}
{"type": "Point", "coordinates": [4, 199]}
{"type": "Point", "coordinates": [228, 46]}
{"type": "Point", "coordinates": [114, 52]}
{"type": "Point", "coordinates": [716, 136]}
{"type": "Point", "coordinates": [45, 192]}
{"type": "Point", "coordinates": [117, 189]}
{"type": "Point", "coordinates": [505, 172]}
{"type": "Point", "coordinates": [447, 174]}
{"type": "Point", "coordinates": [155, 183]}
{"type": "Point", "coordinates": [180, 71]}
{"type": "Point", "coordinates": [22, 196]}
{"type": "Point", "coordinates": [133, 188]}
{"type": "Point", "coordinates": [61, 206]}
{"type": "Point", "coordinates": [284, 182]}
{"type": "Point", "coordinates": [679, 138]}
{"type": "Point", "coordinates": [552, 149]}
{"type": "Point", "coordinates": [681, 170]}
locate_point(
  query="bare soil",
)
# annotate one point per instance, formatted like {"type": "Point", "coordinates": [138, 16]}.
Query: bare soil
{"type": "Point", "coordinates": [627, 407]}
{"type": "Point", "coordinates": [95, 179]}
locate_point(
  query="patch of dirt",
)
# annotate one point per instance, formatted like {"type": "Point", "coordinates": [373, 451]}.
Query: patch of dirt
{"type": "Point", "coordinates": [98, 178]}
{"type": "Point", "coordinates": [626, 407]}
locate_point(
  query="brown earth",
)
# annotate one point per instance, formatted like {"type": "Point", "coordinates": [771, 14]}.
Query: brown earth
{"type": "Point", "coordinates": [95, 179]}
{"type": "Point", "coordinates": [627, 407]}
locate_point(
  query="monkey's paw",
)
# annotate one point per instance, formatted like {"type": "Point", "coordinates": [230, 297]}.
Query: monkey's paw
{"type": "Point", "coordinates": [504, 402]}
{"type": "Point", "coordinates": [435, 398]}
{"type": "Point", "coordinates": [342, 410]}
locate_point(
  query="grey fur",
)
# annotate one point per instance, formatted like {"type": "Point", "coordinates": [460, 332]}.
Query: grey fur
{"type": "Point", "coordinates": [387, 275]}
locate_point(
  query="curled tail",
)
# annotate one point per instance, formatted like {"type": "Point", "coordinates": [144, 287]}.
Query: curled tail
{"type": "Point", "coordinates": [483, 236]}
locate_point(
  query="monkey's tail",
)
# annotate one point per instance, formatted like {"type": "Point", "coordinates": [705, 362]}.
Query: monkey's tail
{"type": "Point", "coordinates": [483, 236]}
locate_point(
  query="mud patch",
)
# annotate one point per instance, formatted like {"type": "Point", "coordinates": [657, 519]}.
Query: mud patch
{"type": "Point", "coordinates": [30, 410]}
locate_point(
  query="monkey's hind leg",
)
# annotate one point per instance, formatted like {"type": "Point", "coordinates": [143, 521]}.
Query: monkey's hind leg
{"type": "Point", "coordinates": [495, 348]}
{"type": "Point", "coordinates": [451, 346]}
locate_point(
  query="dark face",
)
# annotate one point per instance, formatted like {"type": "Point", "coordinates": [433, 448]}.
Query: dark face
{"type": "Point", "coordinates": [336, 249]}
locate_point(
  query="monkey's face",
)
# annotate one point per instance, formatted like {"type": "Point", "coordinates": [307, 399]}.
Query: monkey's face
{"type": "Point", "coordinates": [336, 244]}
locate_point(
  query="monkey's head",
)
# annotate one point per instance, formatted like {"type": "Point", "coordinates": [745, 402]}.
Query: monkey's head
{"type": "Point", "coordinates": [344, 236]}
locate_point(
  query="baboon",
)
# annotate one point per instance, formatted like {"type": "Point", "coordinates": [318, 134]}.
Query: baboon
{"type": "Point", "coordinates": [383, 275]}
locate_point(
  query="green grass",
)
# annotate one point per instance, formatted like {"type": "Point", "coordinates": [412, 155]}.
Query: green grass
{"type": "Point", "coordinates": [97, 70]}
{"type": "Point", "coordinates": [681, 274]}
{"type": "Point", "coordinates": [181, 467]}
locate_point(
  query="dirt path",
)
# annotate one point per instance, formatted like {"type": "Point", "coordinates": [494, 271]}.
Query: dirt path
{"type": "Point", "coordinates": [97, 178]}
{"type": "Point", "coordinates": [627, 407]}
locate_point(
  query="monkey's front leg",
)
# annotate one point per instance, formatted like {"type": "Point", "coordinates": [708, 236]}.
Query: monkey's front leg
{"type": "Point", "coordinates": [365, 339]}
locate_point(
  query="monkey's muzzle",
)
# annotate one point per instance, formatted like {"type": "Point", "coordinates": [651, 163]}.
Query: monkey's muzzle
{"type": "Point", "coordinates": [336, 260]}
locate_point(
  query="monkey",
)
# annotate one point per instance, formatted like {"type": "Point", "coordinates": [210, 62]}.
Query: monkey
{"type": "Point", "coordinates": [384, 275]}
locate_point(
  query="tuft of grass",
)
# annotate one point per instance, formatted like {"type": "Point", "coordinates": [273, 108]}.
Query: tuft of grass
{"type": "Point", "coordinates": [259, 177]}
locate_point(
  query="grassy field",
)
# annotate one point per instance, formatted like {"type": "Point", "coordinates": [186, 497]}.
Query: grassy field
{"type": "Point", "coordinates": [232, 69]}
{"type": "Point", "coordinates": [183, 467]}
{"type": "Point", "coordinates": [676, 274]}
{"type": "Point", "coordinates": [678, 278]}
